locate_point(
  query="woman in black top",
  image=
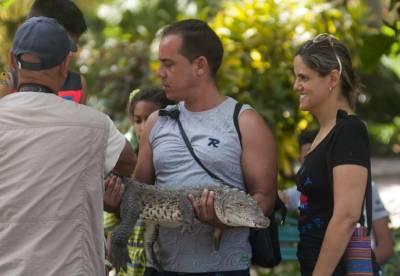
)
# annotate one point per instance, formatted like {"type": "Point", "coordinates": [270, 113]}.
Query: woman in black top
{"type": "Point", "coordinates": [334, 176]}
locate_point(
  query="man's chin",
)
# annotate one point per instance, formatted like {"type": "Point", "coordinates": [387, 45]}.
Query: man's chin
{"type": "Point", "coordinates": [171, 96]}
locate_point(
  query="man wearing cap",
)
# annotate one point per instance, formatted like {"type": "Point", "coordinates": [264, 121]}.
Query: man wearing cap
{"type": "Point", "coordinates": [68, 15]}
{"type": "Point", "coordinates": [53, 158]}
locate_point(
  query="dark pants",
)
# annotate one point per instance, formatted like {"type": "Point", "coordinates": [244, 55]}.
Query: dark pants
{"type": "Point", "coordinates": [152, 272]}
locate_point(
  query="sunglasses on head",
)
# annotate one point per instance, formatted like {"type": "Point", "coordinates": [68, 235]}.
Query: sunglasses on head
{"type": "Point", "coordinates": [327, 37]}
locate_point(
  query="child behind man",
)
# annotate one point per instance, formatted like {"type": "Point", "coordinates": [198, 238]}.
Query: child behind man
{"type": "Point", "coordinates": [68, 15]}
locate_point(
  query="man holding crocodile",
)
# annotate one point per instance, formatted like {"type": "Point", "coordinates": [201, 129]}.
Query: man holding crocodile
{"type": "Point", "coordinates": [190, 54]}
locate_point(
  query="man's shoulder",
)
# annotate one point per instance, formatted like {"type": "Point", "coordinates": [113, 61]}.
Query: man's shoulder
{"type": "Point", "coordinates": [82, 113]}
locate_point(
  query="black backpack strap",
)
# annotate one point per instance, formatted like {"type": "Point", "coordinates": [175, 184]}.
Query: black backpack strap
{"type": "Point", "coordinates": [368, 204]}
{"type": "Point", "coordinates": [279, 205]}
{"type": "Point", "coordinates": [238, 107]}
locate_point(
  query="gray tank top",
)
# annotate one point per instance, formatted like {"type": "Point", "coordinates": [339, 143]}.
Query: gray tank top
{"type": "Point", "coordinates": [215, 141]}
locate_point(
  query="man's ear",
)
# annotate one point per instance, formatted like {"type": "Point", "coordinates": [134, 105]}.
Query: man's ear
{"type": "Point", "coordinates": [201, 65]}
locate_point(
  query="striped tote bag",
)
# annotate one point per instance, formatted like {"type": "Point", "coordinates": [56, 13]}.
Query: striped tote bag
{"type": "Point", "coordinates": [358, 254]}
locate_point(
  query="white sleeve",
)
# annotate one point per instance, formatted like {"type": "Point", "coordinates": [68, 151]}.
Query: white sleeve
{"type": "Point", "coordinates": [115, 145]}
{"type": "Point", "coordinates": [378, 209]}
{"type": "Point", "coordinates": [293, 198]}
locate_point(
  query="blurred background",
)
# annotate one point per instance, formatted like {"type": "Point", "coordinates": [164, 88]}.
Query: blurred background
{"type": "Point", "coordinates": [119, 54]}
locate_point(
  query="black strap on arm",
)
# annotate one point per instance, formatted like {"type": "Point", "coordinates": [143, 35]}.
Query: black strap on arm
{"type": "Point", "coordinates": [368, 204]}
{"type": "Point", "coordinates": [238, 107]}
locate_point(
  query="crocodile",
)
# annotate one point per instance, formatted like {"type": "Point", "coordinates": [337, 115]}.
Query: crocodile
{"type": "Point", "coordinates": [171, 208]}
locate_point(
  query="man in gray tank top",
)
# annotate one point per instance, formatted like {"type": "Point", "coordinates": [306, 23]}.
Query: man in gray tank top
{"type": "Point", "coordinates": [190, 54]}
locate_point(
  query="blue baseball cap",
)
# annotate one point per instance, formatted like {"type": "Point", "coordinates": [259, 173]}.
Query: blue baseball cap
{"type": "Point", "coordinates": [44, 38]}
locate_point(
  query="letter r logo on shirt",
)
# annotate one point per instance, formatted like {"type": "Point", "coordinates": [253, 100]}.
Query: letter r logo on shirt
{"type": "Point", "coordinates": [213, 142]}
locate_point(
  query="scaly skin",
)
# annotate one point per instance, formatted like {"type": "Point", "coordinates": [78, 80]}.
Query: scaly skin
{"type": "Point", "coordinates": [171, 208]}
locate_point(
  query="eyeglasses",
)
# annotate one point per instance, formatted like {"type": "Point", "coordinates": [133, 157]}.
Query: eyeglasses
{"type": "Point", "coordinates": [321, 38]}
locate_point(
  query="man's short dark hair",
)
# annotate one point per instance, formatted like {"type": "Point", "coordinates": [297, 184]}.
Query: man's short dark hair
{"type": "Point", "coordinates": [64, 11]}
{"type": "Point", "coordinates": [307, 137]}
{"type": "Point", "coordinates": [198, 39]}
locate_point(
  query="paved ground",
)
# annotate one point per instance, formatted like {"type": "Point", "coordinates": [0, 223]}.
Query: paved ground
{"type": "Point", "coordinates": [386, 174]}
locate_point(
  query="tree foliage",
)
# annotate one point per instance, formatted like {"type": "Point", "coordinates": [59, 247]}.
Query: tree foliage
{"type": "Point", "coordinates": [260, 39]}
{"type": "Point", "coordinates": [119, 53]}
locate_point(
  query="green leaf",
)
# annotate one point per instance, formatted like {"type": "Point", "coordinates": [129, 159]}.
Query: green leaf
{"type": "Point", "coordinates": [5, 4]}
{"type": "Point", "coordinates": [375, 46]}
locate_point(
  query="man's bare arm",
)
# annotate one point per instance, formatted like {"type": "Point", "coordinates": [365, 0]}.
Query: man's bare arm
{"type": "Point", "coordinates": [259, 159]}
{"type": "Point", "coordinates": [113, 187]}
{"type": "Point", "coordinates": [144, 171]}
{"type": "Point", "coordinates": [383, 239]}
{"type": "Point", "coordinates": [126, 161]}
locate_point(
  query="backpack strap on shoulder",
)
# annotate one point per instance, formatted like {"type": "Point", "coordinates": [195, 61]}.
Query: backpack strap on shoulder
{"type": "Point", "coordinates": [238, 107]}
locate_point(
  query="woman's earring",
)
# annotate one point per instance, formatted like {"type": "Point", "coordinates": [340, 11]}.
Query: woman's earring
{"type": "Point", "coordinates": [330, 89]}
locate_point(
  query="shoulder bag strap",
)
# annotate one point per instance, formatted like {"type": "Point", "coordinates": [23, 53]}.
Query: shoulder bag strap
{"type": "Point", "coordinates": [368, 204]}
{"type": "Point", "coordinates": [238, 107]}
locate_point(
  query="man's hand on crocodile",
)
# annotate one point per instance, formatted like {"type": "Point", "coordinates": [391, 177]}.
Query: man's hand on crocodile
{"type": "Point", "coordinates": [204, 209]}
{"type": "Point", "coordinates": [114, 189]}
